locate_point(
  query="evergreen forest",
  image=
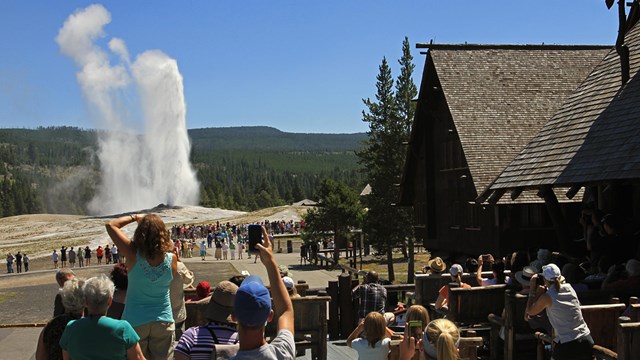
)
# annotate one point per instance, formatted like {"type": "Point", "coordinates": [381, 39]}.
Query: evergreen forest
{"type": "Point", "coordinates": [56, 170]}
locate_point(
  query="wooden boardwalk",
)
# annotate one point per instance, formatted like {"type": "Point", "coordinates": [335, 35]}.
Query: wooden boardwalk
{"type": "Point", "coordinates": [335, 350]}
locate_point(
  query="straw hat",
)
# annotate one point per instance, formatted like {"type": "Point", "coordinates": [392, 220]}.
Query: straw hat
{"type": "Point", "coordinates": [437, 264]}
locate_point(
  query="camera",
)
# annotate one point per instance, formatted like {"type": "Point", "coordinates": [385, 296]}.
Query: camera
{"type": "Point", "coordinates": [255, 237]}
{"type": "Point", "coordinates": [540, 280]}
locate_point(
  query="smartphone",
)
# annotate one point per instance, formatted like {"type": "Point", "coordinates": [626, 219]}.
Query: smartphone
{"type": "Point", "coordinates": [255, 237]}
{"type": "Point", "coordinates": [415, 329]}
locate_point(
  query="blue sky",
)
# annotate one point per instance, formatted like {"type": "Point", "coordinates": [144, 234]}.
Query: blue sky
{"type": "Point", "coordinates": [299, 66]}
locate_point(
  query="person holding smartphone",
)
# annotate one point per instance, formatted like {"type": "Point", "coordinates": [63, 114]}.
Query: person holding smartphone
{"type": "Point", "coordinates": [252, 309]}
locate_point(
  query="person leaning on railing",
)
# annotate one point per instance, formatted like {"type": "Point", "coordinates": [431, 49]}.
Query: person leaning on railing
{"type": "Point", "coordinates": [572, 336]}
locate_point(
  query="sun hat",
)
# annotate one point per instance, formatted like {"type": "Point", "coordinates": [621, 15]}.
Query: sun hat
{"type": "Point", "coordinates": [288, 282]}
{"type": "Point", "coordinates": [437, 264]}
{"type": "Point", "coordinates": [455, 269]}
{"type": "Point", "coordinates": [221, 303]}
{"type": "Point", "coordinates": [252, 304]}
{"type": "Point", "coordinates": [524, 276]}
{"type": "Point", "coordinates": [551, 272]}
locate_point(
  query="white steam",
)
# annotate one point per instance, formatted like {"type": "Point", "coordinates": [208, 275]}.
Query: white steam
{"type": "Point", "coordinates": [138, 170]}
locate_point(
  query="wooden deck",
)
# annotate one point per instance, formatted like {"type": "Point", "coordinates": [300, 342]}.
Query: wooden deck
{"type": "Point", "coordinates": [337, 349]}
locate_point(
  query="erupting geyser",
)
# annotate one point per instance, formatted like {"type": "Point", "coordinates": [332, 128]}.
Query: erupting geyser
{"type": "Point", "coordinates": [139, 170]}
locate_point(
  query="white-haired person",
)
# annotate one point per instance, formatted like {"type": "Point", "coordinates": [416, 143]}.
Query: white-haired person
{"type": "Point", "coordinates": [571, 334]}
{"type": "Point", "coordinates": [72, 299]}
{"type": "Point", "coordinates": [151, 267]}
{"type": "Point", "coordinates": [97, 336]}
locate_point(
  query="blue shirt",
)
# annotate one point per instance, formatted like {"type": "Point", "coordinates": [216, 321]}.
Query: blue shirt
{"type": "Point", "coordinates": [148, 292]}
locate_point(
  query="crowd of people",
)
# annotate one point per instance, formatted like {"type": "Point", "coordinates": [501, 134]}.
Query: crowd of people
{"type": "Point", "coordinates": [229, 240]}
{"type": "Point", "coordinates": [68, 257]}
{"type": "Point", "coordinates": [143, 302]}
{"type": "Point", "coordinates": [139, 312]}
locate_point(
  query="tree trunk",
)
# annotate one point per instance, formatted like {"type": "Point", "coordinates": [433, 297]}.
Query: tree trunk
{"type": "Point", "coordinates": [392, 275]}
{"type": "Point", "coordinates": [337, 240]}
{"type": "Point", "coordinates": [403, 248]}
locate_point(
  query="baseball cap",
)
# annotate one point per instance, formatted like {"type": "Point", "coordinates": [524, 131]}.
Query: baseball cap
{"type": "Point", "coordinates": [203, 289]}
{"type": "Point", "coordinates": [455, 269]}
{"type": "Point", "coordinates": [551, 272]}
{"type": "Point", "coordinates": [252, 304]}
{"type": "Point", "coordinates": [288, 282]}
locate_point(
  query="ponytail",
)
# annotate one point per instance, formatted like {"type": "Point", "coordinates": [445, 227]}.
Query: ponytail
{"type": "Point", "coordinates": [446, 347]}
{"type": "Point", "coordinates": [441, 339]}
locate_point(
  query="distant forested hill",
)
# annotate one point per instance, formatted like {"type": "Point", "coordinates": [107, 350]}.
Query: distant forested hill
{"type": "Point", "coordinates": [55, 169]}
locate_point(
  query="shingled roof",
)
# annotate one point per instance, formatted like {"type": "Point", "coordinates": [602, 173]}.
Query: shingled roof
{"type": "Point", "coordinates": [593, 137]}
{"type": "Point", "coordinates": [500, 96]}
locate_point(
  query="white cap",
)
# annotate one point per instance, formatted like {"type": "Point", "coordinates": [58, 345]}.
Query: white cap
{"type": "Point", "coordinates": [288, 282]}
{"type": "Point", "coordinates": [455, 269]}
{"type": "Point", "coordinates": [551, 272]}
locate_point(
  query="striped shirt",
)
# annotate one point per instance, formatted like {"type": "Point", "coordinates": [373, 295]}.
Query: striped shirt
{"type": "Point", "coordinates": [197, 342]}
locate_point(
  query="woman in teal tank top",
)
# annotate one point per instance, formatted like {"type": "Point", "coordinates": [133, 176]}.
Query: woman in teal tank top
{"type": "Point", "coordinates": [151, 267]}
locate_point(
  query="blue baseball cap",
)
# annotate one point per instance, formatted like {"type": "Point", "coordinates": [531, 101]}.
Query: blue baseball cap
{"type": "Point", "coordinates": [252, 304]}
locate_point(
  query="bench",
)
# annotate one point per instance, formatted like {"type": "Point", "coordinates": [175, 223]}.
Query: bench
{"type": "Point", "coordinates": [472, 306]}
{"type": "Point", "coordinates": [468, 348]}
{"type": "Point", "coordinates": [628, 348]}
{"type": "Point", "coordinates": [518, 336]}
{"type": "Point", "coordinates": [427, 285]}
{"type": "Point", "coordinates": [310, 321]}
{"type": "Point", "coordinates": [326, 261]}
{"type": "Point", "coordinates": [591, 297]}
{"type": "Point", "coordinates": [601, 320]}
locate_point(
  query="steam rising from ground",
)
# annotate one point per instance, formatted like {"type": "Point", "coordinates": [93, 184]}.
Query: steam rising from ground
{"type": "Point", "coordinates": [138, 170]}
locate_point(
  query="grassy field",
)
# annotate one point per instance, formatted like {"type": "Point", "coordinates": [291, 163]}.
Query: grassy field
{"type": "Point", "coordinates": [400, 265]}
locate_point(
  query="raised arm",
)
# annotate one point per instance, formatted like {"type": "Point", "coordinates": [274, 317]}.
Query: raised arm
{"type": "Point", "coordinates": [281, 300]}
{"type": "Point", "coordinates": [119, 238]}
{"type": "Point", "coordinates": [479, 271]}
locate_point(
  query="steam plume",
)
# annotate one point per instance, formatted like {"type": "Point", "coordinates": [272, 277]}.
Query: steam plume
{"type": "Point", "coordinates": [138, 170]}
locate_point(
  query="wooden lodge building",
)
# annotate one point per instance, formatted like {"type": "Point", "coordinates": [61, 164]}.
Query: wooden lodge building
{"type": "Point", "coordinates": [477, 108]}
{"type": "Point", "coordinates": [593, 140]}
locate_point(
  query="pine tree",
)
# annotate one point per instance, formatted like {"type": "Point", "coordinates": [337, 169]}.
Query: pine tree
{"type": "Point", "coordinates": [382, 158]}
{"type": "Point", "coordinates": [406, 90]}
{"type": "Point", "coordinates": [377, 160]}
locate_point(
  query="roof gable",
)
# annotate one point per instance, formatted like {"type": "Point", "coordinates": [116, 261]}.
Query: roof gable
{"type": "Point", "coordinates": [593, 137]}
{"type": "Point", "coordinates": [499, 96]}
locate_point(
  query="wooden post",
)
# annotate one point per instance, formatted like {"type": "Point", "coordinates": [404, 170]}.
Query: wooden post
{"type": "Point", "coordinates": [334, 317]}
{"type": "Point", "coordinates": [557, 218]}
{"type": "Point", "coordinates": [623, 341]}
{"type": "Point", "coordinates": [411, 267]}
{"type": "Point", "coordinates": [346, 305]}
